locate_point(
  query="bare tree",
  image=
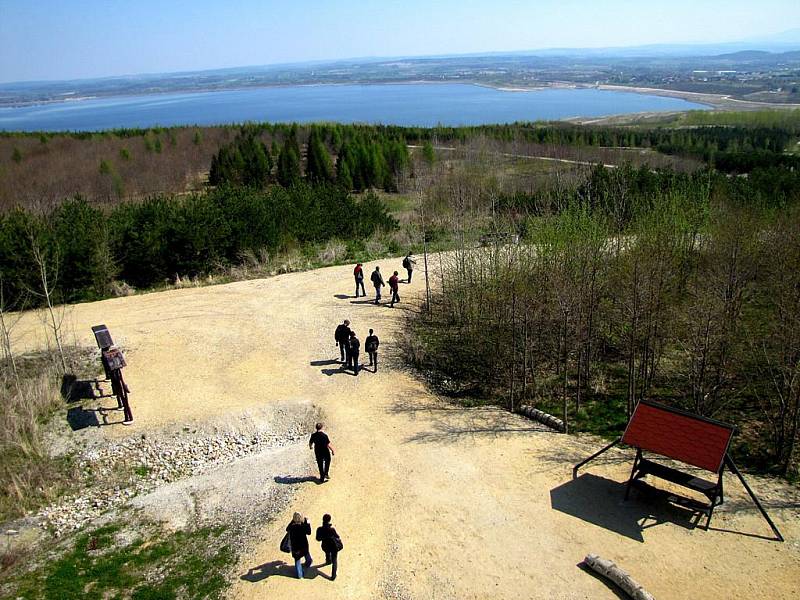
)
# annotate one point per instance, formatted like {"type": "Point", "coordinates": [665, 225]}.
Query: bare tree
{"type": "Point", "coordinates": [6, 326]}
{"type": "Point", "coordinates": [46, 261]}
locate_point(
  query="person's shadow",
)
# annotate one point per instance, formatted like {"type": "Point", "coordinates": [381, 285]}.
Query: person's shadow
{"type": "Point", "coordinates": [277, 568]}
{"type": "Point", "coordinates": [323, 363]}
{"type": "Point", "coordinates": [291, 480]}
{"type": "Point", "coordinates": [341, 296]}
{"type": "Point", "coordinates": [340, 371]}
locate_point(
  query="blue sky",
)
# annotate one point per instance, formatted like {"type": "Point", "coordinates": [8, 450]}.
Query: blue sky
{"type": "Point", "coordinates": [65, 39]}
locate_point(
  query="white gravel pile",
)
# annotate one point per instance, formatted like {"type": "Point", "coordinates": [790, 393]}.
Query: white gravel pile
{"type": "Point", "coordinates": [156, 461]}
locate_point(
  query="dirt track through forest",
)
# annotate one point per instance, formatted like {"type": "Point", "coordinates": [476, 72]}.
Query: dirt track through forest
{"type": "Point", "coordinates": [432, 501]}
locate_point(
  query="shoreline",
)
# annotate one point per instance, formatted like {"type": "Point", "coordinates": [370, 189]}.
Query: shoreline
{"type": "Point", "coordinates": [716, 101]}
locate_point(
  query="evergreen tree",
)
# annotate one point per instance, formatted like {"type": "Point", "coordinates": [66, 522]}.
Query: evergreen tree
{"type": "Point", "coordinates": [318, 162]}
{"type": "Point", "coordinates": [289, 163]}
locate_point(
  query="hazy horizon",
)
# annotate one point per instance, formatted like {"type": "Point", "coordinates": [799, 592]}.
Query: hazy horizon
{"type": "Point", "coordinates": [87, 39]}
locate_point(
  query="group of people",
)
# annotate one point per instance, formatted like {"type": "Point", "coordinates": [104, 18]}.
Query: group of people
{"type": "Point", "coordinates": [297, 531]}
{"type": "Point", "coordinates": [377, 280]}
{"type": "Point", "coordinates": [296, 543]}
{"type": "Point", "coordinates": [350, 347]}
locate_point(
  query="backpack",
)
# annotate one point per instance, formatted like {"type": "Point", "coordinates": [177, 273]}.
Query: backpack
{"type": "Point", "coordinates": [406, 263]}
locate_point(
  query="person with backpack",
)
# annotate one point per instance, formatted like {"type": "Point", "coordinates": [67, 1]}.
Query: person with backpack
{"type": "Point", "coordinates": [394, 285]}
{"type": "Point", "coordinates": [298, 531]}
{"type": "Point", "coordinates": [323, 451]}
{"type": "Point", "coordinates": [408, 265]}
{"type": "Point", "coordinates": [353, 349]}
{"type": "Point", "coordinates": [331, 543]}
{"type": "Point", "coordinates": [342, 337]}
{"type": "Point", "coordinates": [358, 273]}
{"type": "Point", "coordinates": [371, 346]}
{"type": "Point", "coordinates": [377, 281]}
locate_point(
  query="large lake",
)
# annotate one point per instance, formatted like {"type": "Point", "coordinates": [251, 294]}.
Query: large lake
{"type": "Point", "coordinates": [398, 104]}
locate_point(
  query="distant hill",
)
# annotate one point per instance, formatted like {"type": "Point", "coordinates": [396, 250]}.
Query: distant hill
{"type": "Point", "coordinates": [672, 66]}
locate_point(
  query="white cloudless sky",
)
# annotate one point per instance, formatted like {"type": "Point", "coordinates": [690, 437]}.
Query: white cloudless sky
{"type": "Point", "coordinates": [67, 39]}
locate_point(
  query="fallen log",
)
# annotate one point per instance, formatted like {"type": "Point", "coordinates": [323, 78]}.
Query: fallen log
{"type": "Point", "coordinates": [611, 571]}
{"type": "Point", "coordinates": [542, 417]}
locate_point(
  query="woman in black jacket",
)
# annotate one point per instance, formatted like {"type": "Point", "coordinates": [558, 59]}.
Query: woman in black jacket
{"type": "Point", "coordinates": [299, 530]}
{"type": "Point", "coordinates": [330, 543]}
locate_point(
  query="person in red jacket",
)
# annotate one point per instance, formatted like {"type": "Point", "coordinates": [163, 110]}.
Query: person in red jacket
{"type": "Point", "coordinates": [358, 273]}
{"type": "Point", "coordinates": [394, 285]}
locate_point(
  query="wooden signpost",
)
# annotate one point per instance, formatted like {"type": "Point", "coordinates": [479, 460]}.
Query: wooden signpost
{"type": "Point", "coordinates": [113, 362]}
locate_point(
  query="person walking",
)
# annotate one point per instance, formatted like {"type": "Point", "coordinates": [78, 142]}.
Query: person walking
{"type": "Point", "coordinates": [354, 349]}
{"type": "Point", "coordinates": [299, 530]}
{"type": "Point", "coordinates": [408, 265]}
{"type": "Point", "coordinates": [331, 543]}
{"type": "Point", "coordinates": [371, 346]}
{"type": "Point", "coordinates": [394, 285]}
{"type": "Point", "coordinates": [377, 281]}
{"type": "Point", "coordinates": [323, 450]}
{"type": "Point", "coordinates": [358, 273]}
{"type": "Point", "coordinates": [342, 337]}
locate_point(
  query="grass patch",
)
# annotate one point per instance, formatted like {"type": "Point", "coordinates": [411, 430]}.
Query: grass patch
{"type": "Point", "coordinates": [101, 564]}
{"type": "Point", "coordinates": [29, 476]}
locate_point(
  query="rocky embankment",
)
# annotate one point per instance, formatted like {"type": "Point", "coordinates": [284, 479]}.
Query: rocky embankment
{"type": "Point", "coordinates": [116, 471]}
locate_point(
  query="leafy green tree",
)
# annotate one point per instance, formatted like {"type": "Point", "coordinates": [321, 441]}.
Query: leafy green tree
{"type": "Point", "coordinates": [81, 235]}
{"type": "Point", "coordinates": [428, 153]}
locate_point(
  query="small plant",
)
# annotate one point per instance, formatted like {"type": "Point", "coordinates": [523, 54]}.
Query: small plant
{"type": "Point", "coordinates": [16, 155]}
{"type": "Point", "coordinates": [119, 186]}
{"type": "Point", "coordinates": [105, 168]}
{"type": "Point", "coordinates": [157, 564]}
{"type": "Point", "coordinates": [124, 154]}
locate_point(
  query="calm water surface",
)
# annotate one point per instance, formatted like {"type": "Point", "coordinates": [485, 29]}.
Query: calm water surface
{"type": "Point", "coordinates": [412, 104]}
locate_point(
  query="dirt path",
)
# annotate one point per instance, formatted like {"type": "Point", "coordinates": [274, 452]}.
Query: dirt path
{"type": "Point", "coordinates": [431, 501]}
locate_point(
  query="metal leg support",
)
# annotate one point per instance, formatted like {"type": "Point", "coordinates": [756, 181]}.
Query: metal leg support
{"type": "Point", "coordinates": [732, 466]}
{"type": "Point", "coordinates": [593, 456]}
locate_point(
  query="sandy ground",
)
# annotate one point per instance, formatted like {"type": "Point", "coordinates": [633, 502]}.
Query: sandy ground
{"type": "Point", "coordinates": [431, 501]}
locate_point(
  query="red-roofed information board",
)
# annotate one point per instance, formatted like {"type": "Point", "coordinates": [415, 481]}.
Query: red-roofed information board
{"type": "Point", "coordinates": [681, 436]}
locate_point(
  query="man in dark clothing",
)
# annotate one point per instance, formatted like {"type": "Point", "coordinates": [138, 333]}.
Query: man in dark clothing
{"type": "Point", "coordinates": [394, 285]}
{"type": "Point", "coordinates": [323, 450]}
{"type": "Point", "coordinates": [371, 346]}
{"type": "Point", "coordinates": [354, 349]}
{"type": "Point", "coordinates": [408, 265]}
{"type": "Point", "coordinates": [330, 543]}
{"type": "Point", "coordinates": [358, 273]}
{"type": "Point", "coordinates": [342, 337]}
{"type": "Point", "coordinates": [377, 281]}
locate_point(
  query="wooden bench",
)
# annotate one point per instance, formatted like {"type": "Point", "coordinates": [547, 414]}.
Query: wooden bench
{"type": "Point", "coordinates": [683, 437]}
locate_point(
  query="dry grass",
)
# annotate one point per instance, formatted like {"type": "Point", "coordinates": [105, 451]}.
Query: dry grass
{"type": "Point", "coordinates": [29, 476]}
